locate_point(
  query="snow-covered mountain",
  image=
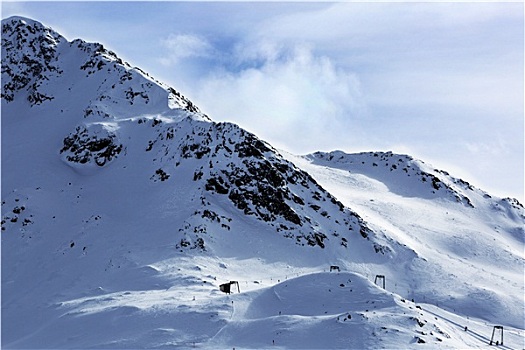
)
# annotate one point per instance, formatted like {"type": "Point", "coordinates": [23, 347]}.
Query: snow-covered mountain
{"type": "Point", "coordinates": [124, 208]}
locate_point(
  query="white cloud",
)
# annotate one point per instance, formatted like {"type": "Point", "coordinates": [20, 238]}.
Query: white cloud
{"type": "Point", "coordinates": [497, 146]}
{"type": "Point", "coordinates": [457, 54]}
{"type": "Point", "coordinates": [288, 96]}
{"type": "Point", "coordinates": [180, 46]}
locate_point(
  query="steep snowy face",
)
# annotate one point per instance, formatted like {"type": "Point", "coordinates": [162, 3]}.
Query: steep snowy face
{"type": "Point", "coordinates": [29, 59]}
{"type": "Point", "coordinates": [122, 108]}
{"type": "Point", "coordinates": [76, 88]}
{"type": "Point", "coordinates": [121, 131]}
{"type": "Point", "coordinates": [38, 64]}
{"type": "Point", "coordinates": [228, 164]}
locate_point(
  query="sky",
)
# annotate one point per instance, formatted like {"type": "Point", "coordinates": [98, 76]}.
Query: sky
{"type": "Point", "coordinates": [442, 82]}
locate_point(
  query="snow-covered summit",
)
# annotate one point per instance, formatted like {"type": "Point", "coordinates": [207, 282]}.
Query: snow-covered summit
{"type": "Point", "coordinates": [36, 59]}
{"type": "Point", "coordinates": [408, 176]}
{"type": "Point", "coordinates": [124, 208]}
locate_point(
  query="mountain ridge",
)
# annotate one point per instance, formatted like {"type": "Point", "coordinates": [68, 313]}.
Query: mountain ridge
{"type": "Point", "coordinates": [439, 180]}
{"type": "Point", "coordinates": [98, 140]}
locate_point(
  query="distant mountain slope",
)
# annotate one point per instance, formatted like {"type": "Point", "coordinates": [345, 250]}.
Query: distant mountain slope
{"type": "Point", "coordinates": [456, 230]}
{"type": "Point", "coordinates": [409, 177]}
{"type": "Point", "coordinates": [124, 208]}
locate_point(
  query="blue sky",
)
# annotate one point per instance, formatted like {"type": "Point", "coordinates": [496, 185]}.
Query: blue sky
{"type": "Point", "coordinates": [442, 82]}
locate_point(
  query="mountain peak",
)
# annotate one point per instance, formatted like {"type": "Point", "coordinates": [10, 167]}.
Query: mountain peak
{"type": "Point", "coordinates": [29, 36]}
{"type": "Point", "coordinates": [401, 173]}
{"type": "Point", "coordinates": [28, 58]}
{"type": "Point", "coordinates": [21, 20]}
{"type": "Point", "coordinates": [35, 57]}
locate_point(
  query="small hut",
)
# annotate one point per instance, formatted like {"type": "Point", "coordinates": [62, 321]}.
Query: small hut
{"type": "Point", "coordinates": [226, 287]}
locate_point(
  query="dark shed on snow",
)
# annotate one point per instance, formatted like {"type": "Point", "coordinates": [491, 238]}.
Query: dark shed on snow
{"type": "Point", "coordinates": [226, 287]}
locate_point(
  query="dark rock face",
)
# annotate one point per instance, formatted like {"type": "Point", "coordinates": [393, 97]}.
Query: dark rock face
{"type": "Point", "coordinates": [84, 146]}
{"type": "Point", "coordinates": [29, 59]}
{"type": "Point", "coordinates": [30, 63]}
{"type": "Point", "coordinates": [234, 164]}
